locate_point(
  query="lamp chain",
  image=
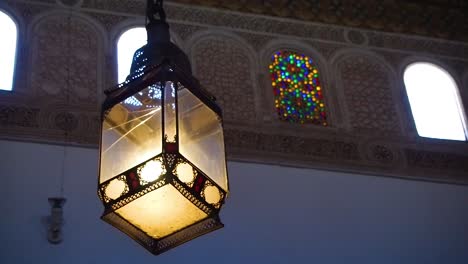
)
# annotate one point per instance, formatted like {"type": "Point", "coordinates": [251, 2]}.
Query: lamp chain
{"type": "Point", "coordinates": [67, 100]}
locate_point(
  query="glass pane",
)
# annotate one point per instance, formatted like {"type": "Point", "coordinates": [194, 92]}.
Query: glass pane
{"type": "Point", "coordinates": [8, 32]}
{"type": "Point", "coordinates": [201, 137]}
{"type": "Point", "coordinates": [297, 89]}
{"type": "Point", "coordinates": [161, 212]}
{"type": "Point", "coordinates": [131, 134]}
{"type": "Point", "coordinates": [169, 112]}
{"type": "Point", "coordinates": [434, 101]}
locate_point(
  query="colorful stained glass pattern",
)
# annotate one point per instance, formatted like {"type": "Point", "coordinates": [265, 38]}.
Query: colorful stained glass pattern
{"type": "Point", "coordinates": [297, 89]}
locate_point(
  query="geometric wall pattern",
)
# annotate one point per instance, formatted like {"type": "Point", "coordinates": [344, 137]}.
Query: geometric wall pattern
{"type": "Point", "coordinates": [367, 86]}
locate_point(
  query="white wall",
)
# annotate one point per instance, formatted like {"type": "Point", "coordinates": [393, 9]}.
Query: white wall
{"type": "Point", "coordinates": [274, 215]}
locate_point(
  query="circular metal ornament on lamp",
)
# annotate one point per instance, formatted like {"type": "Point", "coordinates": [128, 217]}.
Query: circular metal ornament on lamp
{"type": "Point", "coordinates": [162, 173]}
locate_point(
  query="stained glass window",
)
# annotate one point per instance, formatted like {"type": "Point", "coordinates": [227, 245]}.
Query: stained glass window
{"type": "Point", "coordinates": [8, 31]}
{"type": "Point", "coordinates": [297, 89]}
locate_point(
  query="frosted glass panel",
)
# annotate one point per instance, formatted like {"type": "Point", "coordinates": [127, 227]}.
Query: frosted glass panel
{"type": "Point", "coordinates": [131, 134]}
{"type": "Point", "coordinates": [201, 137]}
{"type": "Point", "coordinates": [169, 112]}
{"type": "Point", "coordinates": [157, 217]}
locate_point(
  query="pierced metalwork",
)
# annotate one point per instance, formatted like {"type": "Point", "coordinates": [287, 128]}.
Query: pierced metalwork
{"type": "Point", "coordinates": [154, 164]}
{"type": "Point", "coordinates": [196, 230]}
{"type": "Point", "coordinates": [217, 202]}
{"type": "Point", "coordinates": [127, 199]}
{"type": "Point", "coordinates": [192, 198]}
{"type": "Point", "coordinates": [169, 160]}
{"type": "Point", "coordinates": [189, 183]}
{"type": "Point", "coordinates": [103, 194]}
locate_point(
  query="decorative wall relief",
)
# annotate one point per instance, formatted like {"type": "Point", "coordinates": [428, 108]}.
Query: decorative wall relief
{"type": "Point", "coordinates": [444, 19]}
{"type": "Point", "coordinates": [367, 87]}
{"type": "Point", "coordinates": [65, 59]}
{"type": "Point", "coordinates": [18, 116]}
{"type": "Point", "coordinates": [436, 160]}
{"type": "Point", "coordinates": [283, 145]}
{"type": "Point", "coordinates": [224, 67]}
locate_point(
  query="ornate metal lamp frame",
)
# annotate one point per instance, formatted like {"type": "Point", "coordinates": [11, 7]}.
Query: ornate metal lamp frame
{"type": "Point", "coordinates": [154, 64]}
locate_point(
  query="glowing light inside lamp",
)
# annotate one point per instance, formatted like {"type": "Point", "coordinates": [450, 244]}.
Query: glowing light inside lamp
{"type": "Point", "coordinates": [212, 194]}
{"type": "Point", "coordinates": [162, 212]}
{"type": "Point", "coordinates": [185, 172]}
{"type": "Point", "coordinates": [151, 171]}
{"type": "Point", "coordinates": [115, 189]}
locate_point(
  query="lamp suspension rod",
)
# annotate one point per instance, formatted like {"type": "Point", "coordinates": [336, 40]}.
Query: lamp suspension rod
{"type": "Point", "coordinates": [155, 7]}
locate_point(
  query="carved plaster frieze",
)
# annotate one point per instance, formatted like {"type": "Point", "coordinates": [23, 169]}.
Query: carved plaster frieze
{"type": "Point", "coordinates": [27, 11]}
{"type": "Point", "coordinates": [224, 68]}
{"type": "Point", "coordinates": [197, 15]}
{"type": "Point", "coordinates": [65, 61]}
{"type": "Point", "coordinates": [410, 17]}
{"type": "Point", "coordinates": [368, 95]}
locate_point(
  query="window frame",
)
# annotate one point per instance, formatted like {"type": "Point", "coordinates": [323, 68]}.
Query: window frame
{"type": "Point", "coordinates": [269, 113]}
{"type": "Point", "coordinates": [119, 35]}
{"type": "Point", "coordinates": [117, 32]}
{"type": "Point", "coordinates": [323, 123]}
{"type": "Point", "coordinates": [15, 21]}
{"type": "Point", "coordinates": [458, 97]}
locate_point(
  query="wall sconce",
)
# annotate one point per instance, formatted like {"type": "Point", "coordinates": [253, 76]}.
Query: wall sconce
{"type": "Point", "coordinates": [163, 176]}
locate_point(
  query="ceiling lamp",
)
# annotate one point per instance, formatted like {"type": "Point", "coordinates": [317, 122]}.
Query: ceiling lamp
{"type": "Point", "coordinates": [162, 176]}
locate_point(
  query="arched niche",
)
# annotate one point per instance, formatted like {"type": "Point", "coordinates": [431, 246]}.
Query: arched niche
{"type": "Point", "coordinates": [66, 58]}
{"type": "Point", "coordinates": [367, 90]}
{"type": "Point", "coordinates": [225, 65]}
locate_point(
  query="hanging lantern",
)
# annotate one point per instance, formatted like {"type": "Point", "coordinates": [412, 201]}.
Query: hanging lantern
{"type": "Point", "coordinates": [163, 175]}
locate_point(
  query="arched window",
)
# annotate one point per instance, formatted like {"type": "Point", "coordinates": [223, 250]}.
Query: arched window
{"type": "Point", "coordinates": [9, 35]}
{"type": "Point", "coordinates": [297, 89]}
{"type": "Point", "coordinates": [434, 101]}
{"type": "Point", "coordinates": [128, 43]}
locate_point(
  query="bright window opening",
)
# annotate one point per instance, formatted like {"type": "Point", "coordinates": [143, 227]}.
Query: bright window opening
{"type": "Point", "coordinates": [128, 43]}
{"type": "Point", "coordinates": [435, 103]}
{"type": "Point", "coordinates": [9, 32]}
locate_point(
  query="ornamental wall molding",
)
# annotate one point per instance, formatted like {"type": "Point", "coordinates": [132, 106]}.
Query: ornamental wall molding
{"type": "Point", "coordinates": [264, 25]}
{"type": "Point", "coordinates": [442, 19]}
{"type": "Point", "coordinates": [230, 52]}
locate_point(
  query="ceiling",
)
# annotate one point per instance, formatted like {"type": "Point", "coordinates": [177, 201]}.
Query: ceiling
{"type": "Point", "coordinates": [434, 18]}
